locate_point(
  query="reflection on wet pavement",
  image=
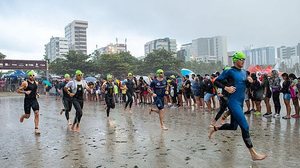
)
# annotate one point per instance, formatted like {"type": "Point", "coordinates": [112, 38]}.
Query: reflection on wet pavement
{"type": "Point", "coordinates": [136, 140]}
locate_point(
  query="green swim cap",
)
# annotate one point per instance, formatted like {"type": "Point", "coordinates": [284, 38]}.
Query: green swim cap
{"type": "Point", "coordinates": [109, 76]}
{"type": "Point", "coordinates": [129, 74]}
{"type": "Point", "coordinates": [159, 71]}
{"type": "Point", "coordinates": [67, 76]}
{"type": "Point", "coordinates": [78, 72]}
{"type": "Point", "coordinates": [172, 77]}
{"type": "Point", "coordinates": [238, 55]}
{"type": "Point", "coordinates": [31, 73]}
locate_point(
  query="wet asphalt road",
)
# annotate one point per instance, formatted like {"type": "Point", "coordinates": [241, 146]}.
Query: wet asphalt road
{"type": "Point", "coordinates": [136, 140]}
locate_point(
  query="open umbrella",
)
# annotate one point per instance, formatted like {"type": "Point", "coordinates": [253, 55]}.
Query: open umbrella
{"type": "Point", "coordinates": [185, 72]}
{"type": "Point", "coordinates": [146, 79]}
{"type": "Point", "coordinates": [16, 74]}
{"type": "Point", "coordinates": [90, 79]}
{"type": "Point", "coordinates": [170, 73]}
{"type": "Point", "coordinates": [46, 82]}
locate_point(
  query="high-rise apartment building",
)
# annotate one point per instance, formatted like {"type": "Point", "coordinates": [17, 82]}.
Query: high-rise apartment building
{"type": "Point", "coordinates": [212, 49]}
{"type": "Point", "coordinates": [260, 56]}
{"type": "Point", "coordinates": [289, 55]}
{"type": "Point", "coordinates": [57, 47]}
{"type": "Point", "coordinates": [166, 43]}
{"type": "Point", "coordinates": [75, 33]}
{"type": "Point", "coordinates": [284, 52]}
{"type": "Point", "coordinates": [113, 49]}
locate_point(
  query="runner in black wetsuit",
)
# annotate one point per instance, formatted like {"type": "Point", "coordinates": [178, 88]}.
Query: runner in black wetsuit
{"type": "Point", "coordinates": [67, 99]}
{"type": "Point", "coordinates": [130, 84]}
{"type": "Point", "coordinates": [108, 89]}
{"type": "Point", "coordinates": [223, 101]}
{"type": "Point", "coordinates": [236, 97]}
{"type": "Point", "coordinates": [77, 87]}
{"type": "Point", "coordinates": [158, 89]}
{"type": "Point", "coordinates": [29, 88]}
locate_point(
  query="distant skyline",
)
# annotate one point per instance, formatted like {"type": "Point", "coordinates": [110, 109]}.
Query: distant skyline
{"type": "Point", "coordinates": [26, 26]}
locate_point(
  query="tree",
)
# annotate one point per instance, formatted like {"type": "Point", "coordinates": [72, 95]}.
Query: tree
{"type": "Point", "coordinates": [2, 56]}
{"type": "Point", "coordinates": [160, 59]}
{"type": "Point", "coordinates": [116, 64]}
{"type": "Point", "coordinates": [70, 63]}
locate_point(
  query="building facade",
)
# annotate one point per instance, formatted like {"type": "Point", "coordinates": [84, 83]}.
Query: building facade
{"type": "Point", "coordinates": [289, 55]}
{"type": "Point", "coordinates": [212, 49]}
{"type": "Point", "coordinates": [75, 33]}
{"type": "Point", "coordinates": [260, 56]}
{"type": "Point", "coordinates": [113, 49]}
{"type": "Point", "coordinates": [188, 51]}
{"type": "Point", "coordinates": [166, 43]}
{"type": "Point", "coordinates": [57, 47]}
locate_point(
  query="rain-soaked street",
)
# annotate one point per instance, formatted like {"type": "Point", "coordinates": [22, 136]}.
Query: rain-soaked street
{"type": "Point", "coordinates": [137, 141]}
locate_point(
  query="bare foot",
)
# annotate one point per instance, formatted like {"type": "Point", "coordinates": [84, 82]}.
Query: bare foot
{"type": "Point", "coordinates": [77, 129]}
{"type": "Point", "coordinates": [150, 110]}
{"type": "Point", "coordinates": [213, 122]}
{"type": "Point", "coordinates": [21, 119]}
{"type": "Point", "coordinates": [256, 156]}
{"type": "Point", "coordinates": [212, 130]}
{"type": "Point", "coordinates": [164, 128]}
{"type": "Point", "coordinates": [37, 131]}
{"type": "Point", "coordinates": [73, 127]}
{"type": "Point", "coordinates": [69, 122]}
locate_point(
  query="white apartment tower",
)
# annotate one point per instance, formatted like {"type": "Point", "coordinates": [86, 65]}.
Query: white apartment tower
{"type": "Point", "coordinates": [75, 33]}
{"type": "Point", "coordinates": [212, 49]}
{"type": "Point", "coordinates": [166, 43]}
{"type": "Point", "coordinates": [57, 47]}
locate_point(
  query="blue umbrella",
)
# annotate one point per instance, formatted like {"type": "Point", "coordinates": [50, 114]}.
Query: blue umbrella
{"type": "Point", "coordinates": [16, 74]}
{"type": "Point", "coordinates": [185, 72]}
{"type": "Point", "coordinates": [90, 79]}
{"type": "Point", "coordinates": [46, 82]}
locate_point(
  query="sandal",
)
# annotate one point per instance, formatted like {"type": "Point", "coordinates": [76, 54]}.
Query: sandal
{"type": "Point", "coordinates": [286, 117]}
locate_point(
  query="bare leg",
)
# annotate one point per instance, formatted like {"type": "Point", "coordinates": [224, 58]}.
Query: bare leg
{"type": "Point", "coordinates": [248, 105]}
{"type": "Point", "coordinates": [256, 156]}
{"type": "Point", "coordinates": [288, 108]}
{"type": "Point", "coordinates": [212, 130]}
{"type": "Point", "coordinates": [36, 122]}
{"type": "Point", "coordinates": [23, 117]}
{"type": "Point", "coordinates": [161, 118]}
{"type": "Point", "coordinates": [36, 119]}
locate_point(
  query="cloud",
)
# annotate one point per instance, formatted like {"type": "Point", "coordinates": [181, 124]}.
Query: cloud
{"type": "Point", "coordinates": [28, 25]}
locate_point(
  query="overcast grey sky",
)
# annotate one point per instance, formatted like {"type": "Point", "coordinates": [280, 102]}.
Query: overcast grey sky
{"type": "Point", "coordinates": [27, 25]}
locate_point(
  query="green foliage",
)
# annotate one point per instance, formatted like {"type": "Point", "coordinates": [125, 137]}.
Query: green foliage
{"type": "Point", "coordinates": [116, 64]}
{"type": "Point", "coordinates": [70, 63]}
{"type": "Point", "coordinates": [119, 65]}
{"type": "Point", "coordinates": [160, 59]}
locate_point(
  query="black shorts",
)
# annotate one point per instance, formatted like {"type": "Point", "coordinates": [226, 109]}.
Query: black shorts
{"type": "Point", "coordinates": [31, 104]}
{"type": "Point", "coordinates": [159, 102]}
{"type": "Point", "coordinates": [269, 94]}
{"type": "Point", "coordinates": [188, 95]}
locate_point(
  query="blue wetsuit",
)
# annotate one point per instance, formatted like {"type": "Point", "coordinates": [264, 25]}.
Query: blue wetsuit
{"type": "Point", "coordinates": [159, 88]}
{"type": "Point", "coordinates": [238, 79]}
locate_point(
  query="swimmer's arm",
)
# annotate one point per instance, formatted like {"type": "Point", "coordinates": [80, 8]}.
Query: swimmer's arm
{"type": "Point", "coordinates": [68, 86]}
{"type": "Point", "coordinates": [22, 87]}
